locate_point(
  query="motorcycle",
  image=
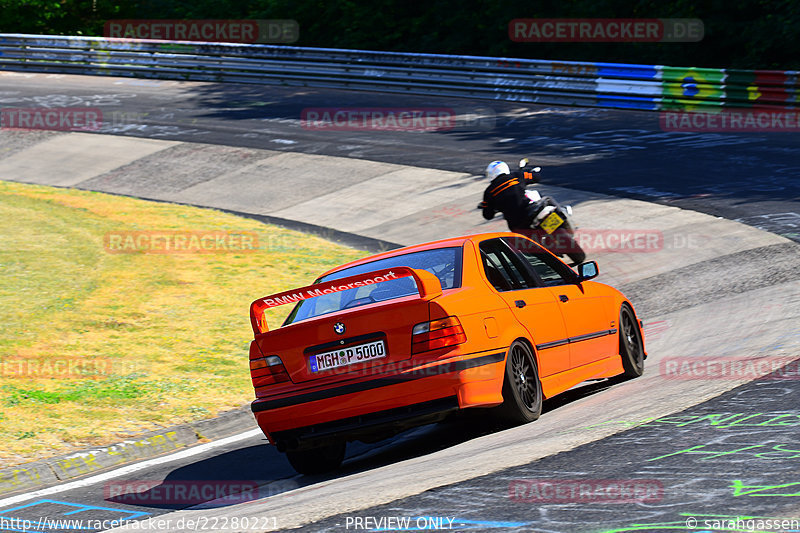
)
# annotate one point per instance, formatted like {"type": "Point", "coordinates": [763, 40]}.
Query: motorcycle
{"type": "Point", "coordinates": [552, 224]}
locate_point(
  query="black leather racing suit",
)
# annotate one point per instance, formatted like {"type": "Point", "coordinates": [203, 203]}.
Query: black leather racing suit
{"type": "Point", "coordinates": [506, 194]}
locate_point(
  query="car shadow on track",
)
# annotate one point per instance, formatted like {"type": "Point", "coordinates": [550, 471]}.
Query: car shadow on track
{"type": "Point", "coordinates": [583, 390]}
{"type": "Point", "coordinates": [237, 476]}
{"type": "Point", "coordinates": [260, 471]}
{"type": "Point", "coordinates": [463, 427]}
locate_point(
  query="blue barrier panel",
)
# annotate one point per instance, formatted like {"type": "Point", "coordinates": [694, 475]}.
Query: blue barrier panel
{"type": "Point", "coordinates": [623, 71]}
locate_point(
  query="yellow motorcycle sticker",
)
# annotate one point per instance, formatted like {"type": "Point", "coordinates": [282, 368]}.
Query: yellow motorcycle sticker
{"type": "Point", "coordinates": [552, 222]}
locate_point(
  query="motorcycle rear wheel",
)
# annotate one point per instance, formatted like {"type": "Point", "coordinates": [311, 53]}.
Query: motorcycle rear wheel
{"type": "Point", "coordinates": [572, 250]}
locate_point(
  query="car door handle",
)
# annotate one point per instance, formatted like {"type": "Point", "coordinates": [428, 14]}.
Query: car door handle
{"type": "Point", "coordinates": [520, 303]}
{"type": "Point", "coordinates": [563, 297]}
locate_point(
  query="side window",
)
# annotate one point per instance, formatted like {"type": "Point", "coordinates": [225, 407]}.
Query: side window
{"type": "Point", "coordinates": [504, 270]}
{"type": "Point", "coordinates": [550, 270]}
{"type": "Point", "coordinates": [546, 273]}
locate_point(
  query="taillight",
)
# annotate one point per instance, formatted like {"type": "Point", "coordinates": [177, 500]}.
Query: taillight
{"type": "Point", "coordinates": [435, 334]}
{"type": "Point", "coordinates": [267, 371]}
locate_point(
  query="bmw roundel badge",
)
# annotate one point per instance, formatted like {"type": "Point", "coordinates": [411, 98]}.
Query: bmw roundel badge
{"type": "Point", "coordinates": [339, 328]}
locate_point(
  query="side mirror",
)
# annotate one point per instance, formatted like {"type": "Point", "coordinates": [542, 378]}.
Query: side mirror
{"type": "Point", "coordinates": [587, 271]}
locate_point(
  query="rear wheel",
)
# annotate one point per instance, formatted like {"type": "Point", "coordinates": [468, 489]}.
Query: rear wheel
{"type": "Point", "coordinates": [318, 460]}
{"type": "Point", "coordinates": [522, 390]}
{"type": "Point", "coordinates": [567, 245]}
{"type": "Point", "coordinates": [631, 347]}
{"type": "Point", "coordinates": [577, 257]}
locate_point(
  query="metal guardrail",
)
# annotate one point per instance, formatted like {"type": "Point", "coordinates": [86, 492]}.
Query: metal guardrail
{"type": "Point", "coordinates": [646, 87]}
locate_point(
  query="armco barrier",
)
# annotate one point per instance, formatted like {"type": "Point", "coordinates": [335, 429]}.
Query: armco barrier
{"type": "Point", "coordinates": [646, 87]}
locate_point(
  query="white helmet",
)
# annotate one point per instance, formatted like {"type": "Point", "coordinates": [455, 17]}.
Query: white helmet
{"type": "Point", "coordinates": [497, 168]}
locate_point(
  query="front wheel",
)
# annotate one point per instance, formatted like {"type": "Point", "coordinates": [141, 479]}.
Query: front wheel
{"type": "Point", "coordinates": [631, 347]}
{"type": "Point", "coordinates": [318, 460]}
{"type": "Point", "coordinates": [522, 390]}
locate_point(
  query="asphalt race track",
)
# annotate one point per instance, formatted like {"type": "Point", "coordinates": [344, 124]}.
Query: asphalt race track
{"type": "Point", "coordinates": [754, 177]}
{"type": "Point", "coordinates": [698, 454]}
{"type": "Point", "coordinates": [709, 450]}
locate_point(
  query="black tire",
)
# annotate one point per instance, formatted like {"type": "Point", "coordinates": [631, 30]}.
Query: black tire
{"type": "Point", "coordinates": [317, 460]}
{"type": "Point", "coordinates": [577, 257]}
{"type": "Point", "coordinates": [567, 245]}
{"type": "Point", "coordinates": [522, 390]}
{"type": "Point", "coordinates": [631, 347]}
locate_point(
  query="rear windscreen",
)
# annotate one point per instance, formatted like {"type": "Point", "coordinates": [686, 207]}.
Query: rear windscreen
{"type": "Point", "coordinates": [444, 263]}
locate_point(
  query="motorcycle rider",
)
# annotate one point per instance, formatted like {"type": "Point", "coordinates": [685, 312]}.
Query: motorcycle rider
{"type": "Point", "coordinates": [506, 194]}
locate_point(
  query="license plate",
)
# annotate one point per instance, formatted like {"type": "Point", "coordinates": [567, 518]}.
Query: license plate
{"type": "Point", "coordinates": [347, 356]}
{"type": "Point", "coordinates": [552, 222]}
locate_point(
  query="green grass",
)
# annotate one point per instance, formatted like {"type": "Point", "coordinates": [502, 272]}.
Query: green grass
{"type": "Point", "coordinates": [163, 337]}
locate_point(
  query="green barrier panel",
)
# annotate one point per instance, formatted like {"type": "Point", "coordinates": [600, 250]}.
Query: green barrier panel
{"type": "Point", "coordinates": [692, 88]}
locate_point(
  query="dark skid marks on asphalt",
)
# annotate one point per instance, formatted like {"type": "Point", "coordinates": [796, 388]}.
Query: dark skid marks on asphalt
{"type": "Point", "coordinates": [732, 457]}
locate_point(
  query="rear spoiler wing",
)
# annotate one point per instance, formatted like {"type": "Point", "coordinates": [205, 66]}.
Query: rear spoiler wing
{"type": "Point", "coordinates": [428, 285]}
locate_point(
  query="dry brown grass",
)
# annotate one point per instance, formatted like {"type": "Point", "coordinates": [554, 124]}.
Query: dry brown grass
{"type": "Point", "coordinates": [173, 327]}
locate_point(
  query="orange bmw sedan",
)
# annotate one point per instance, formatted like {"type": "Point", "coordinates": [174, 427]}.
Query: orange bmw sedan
{"type": "Point", "coordinates": [407, 337]}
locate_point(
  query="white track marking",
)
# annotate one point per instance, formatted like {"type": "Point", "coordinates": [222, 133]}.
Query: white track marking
{"type": "Point", "coordinates": [194, 450]}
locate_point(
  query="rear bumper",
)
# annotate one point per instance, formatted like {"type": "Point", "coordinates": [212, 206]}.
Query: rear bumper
{"type": "Point", "coordinates": [472, 381]}
{"type": "Point", "coordinates": [369, 427]}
